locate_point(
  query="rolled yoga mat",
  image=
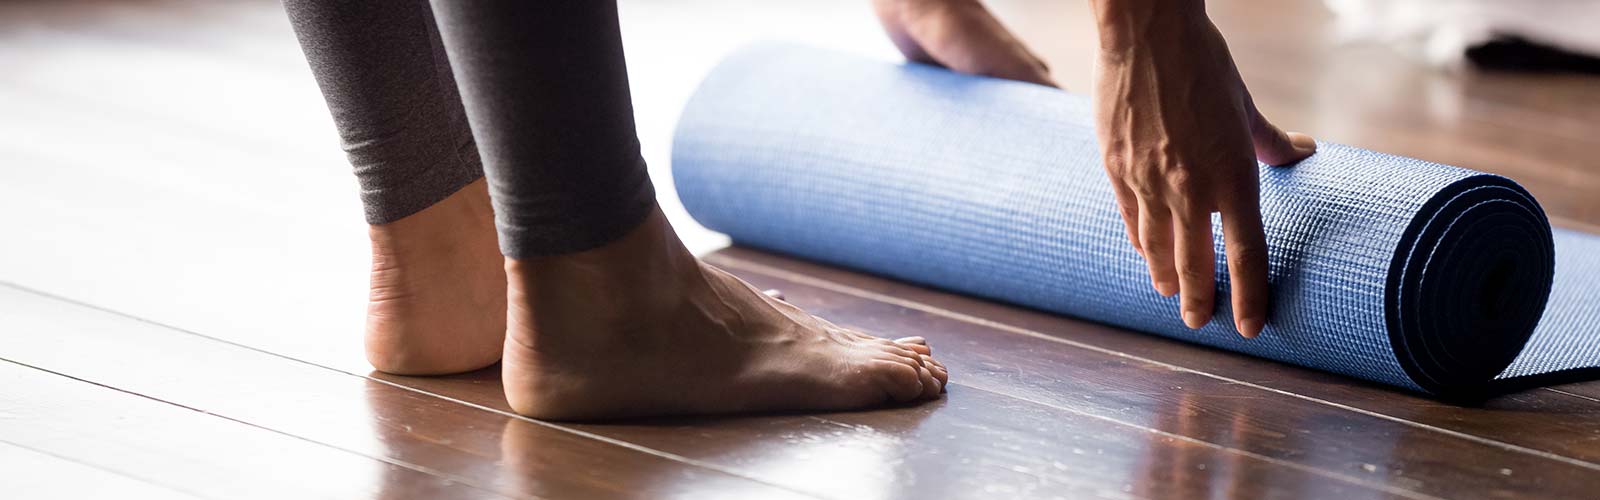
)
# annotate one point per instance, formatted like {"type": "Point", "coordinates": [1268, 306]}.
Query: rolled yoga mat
{"type": "Point", "coordinates": [1419, 275]}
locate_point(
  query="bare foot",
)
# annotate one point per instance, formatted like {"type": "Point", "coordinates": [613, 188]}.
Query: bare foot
{"type": "Point", "coordinates": [640, 327]}
{"type": "Point", "coordinates": [438, 289]}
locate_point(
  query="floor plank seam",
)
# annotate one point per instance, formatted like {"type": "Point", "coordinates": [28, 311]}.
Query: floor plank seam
{"type": "Point", "coordinates": [783, 274]}
{"type": "Point", "coordinates": [608, 440]}
{"type": "Point", "coordinates": [398, 463]}
{"type": "Point", "coordinates": [1227, 449]}
{"type": "Point", "coordinates": [585, 434]}
{"type": "Point", "coordinates": [1572, 394]}
{"type": "Point", "coordinates": [114, 472]}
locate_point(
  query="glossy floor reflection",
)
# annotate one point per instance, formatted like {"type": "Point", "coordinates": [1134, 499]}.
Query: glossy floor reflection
{"type": "Point", "coordinates": [183, 270]}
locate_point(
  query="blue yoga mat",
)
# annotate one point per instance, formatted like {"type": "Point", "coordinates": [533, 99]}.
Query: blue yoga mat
{"type": "Point", "coordinates": [1419, 275]}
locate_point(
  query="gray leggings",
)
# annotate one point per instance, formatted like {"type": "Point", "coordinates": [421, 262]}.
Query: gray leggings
{"type": "Point", "coordinates": [532, 94]}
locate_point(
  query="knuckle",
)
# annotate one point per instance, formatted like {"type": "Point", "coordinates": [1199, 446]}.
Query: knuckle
{"type": "Point", "coordinates": [1129, 212]}
{"type": "Point", "coordinates": [1249, 256]}
{"type": "Point", "coordinates": [1152, 238]}
{"type": "Point", "coordinates": [1181, 180]}
{"type": "Point", "coordinates": [1154, 251]}
{"type": "Point", "coordinates": [1192, 273]}
{"type": "Point", "coordinates": [1116, 163]}
{"type": "Point", "coordinates": [1145, 189]}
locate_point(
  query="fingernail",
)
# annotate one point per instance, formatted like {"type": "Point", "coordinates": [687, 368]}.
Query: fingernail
{"type": "Point", "coordinates": [1166, 288]}
{"type": "Point", "coordinates": [1250, 327]}
{"type": "Point", "coordinates": [1193, 319]}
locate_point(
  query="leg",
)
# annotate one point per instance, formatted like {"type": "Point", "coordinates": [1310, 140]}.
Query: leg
{"type": "Point", "coordinates": [438, 286]}
{"type": "Point", "coordinates": [609, 315]}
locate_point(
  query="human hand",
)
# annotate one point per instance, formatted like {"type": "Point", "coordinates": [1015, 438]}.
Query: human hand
{"type": "Point", "coordinates": [1180, 137]}
{"type": "Point", "coordinates": [961, 35]}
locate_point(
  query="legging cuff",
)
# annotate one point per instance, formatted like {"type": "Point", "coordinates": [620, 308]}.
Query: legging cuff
{"type": "Point", "coordinates": [599, 213]}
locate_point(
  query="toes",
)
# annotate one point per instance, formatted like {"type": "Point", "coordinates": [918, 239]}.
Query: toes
{"type": "Point", "coordinates": [911, 361]}
{"type": "Point", "coordinates": [938, 370]}
{"type": "Point", "coordinates": [918, 344]}
{"type": "Point", "coordinates": [931, 387]}
{"type": "Point", "coordinates": [920, 356]}
{"type": "Point", "coordinates": [897, 348]}
{"type": "Point", "coordinates": [921, 349]}
{"type": "Point", "coordinates": [901, 382]}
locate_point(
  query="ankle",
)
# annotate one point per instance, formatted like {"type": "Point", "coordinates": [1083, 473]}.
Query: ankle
{"type": "Point", "coordinates": [437, 291]}
{"type": "Point", "coordinates": [458, 221]}
{"type": "Point", "coordinates": [641, 275]}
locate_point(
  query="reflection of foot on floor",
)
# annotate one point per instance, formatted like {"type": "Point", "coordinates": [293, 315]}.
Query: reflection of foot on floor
{"type": "Point", "coordinates": [438, 296]}
{"type": "Point", "coordinates": [640, 327]}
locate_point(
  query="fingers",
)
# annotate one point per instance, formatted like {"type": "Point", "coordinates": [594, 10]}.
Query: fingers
{"type": "Point", "coordinates": [1276, 147]}
{"type": "Point", "coordinates": [1180, 251]}
{"type": "Point", "coordinates": [1181, 254]}
{"type": "Point", "coordinates": [1196, 265]}
{"type": "Point", "coordinates": [961, 35]}
{"type": "Point", "coordinates": [1155, 237]}
{"type": "Point", "coordinates": [890, 15]}
{"type": "Point", "coordinates": [1128, 206]}
{"type": "Point", "coordinates": [1247, 262]}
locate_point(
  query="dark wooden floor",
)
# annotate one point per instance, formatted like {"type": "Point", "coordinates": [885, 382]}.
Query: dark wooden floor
{"type": "Point", "coordinates": [182, 276]}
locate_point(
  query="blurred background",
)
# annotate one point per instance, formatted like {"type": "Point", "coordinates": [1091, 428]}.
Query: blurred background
{"type": "Point", "coordinates": [154, 152]}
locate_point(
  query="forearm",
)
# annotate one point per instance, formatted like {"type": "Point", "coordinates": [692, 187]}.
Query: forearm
{"type": "Point", "coordinates": [1124, 25]}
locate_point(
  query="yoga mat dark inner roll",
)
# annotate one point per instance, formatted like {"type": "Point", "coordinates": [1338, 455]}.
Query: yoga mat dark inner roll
{"type": "Point", "coordinates": [1468, 283]}
{"type": "Point", "coordinates": [1414, 274]}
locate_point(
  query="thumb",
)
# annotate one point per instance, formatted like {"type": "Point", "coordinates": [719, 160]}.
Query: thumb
{"type": "Point", "coordinates": [1276, 147]}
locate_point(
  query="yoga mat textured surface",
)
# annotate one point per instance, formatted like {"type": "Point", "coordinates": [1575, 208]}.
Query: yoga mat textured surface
{"type": "Point", "coordinates": [1410, 273]}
